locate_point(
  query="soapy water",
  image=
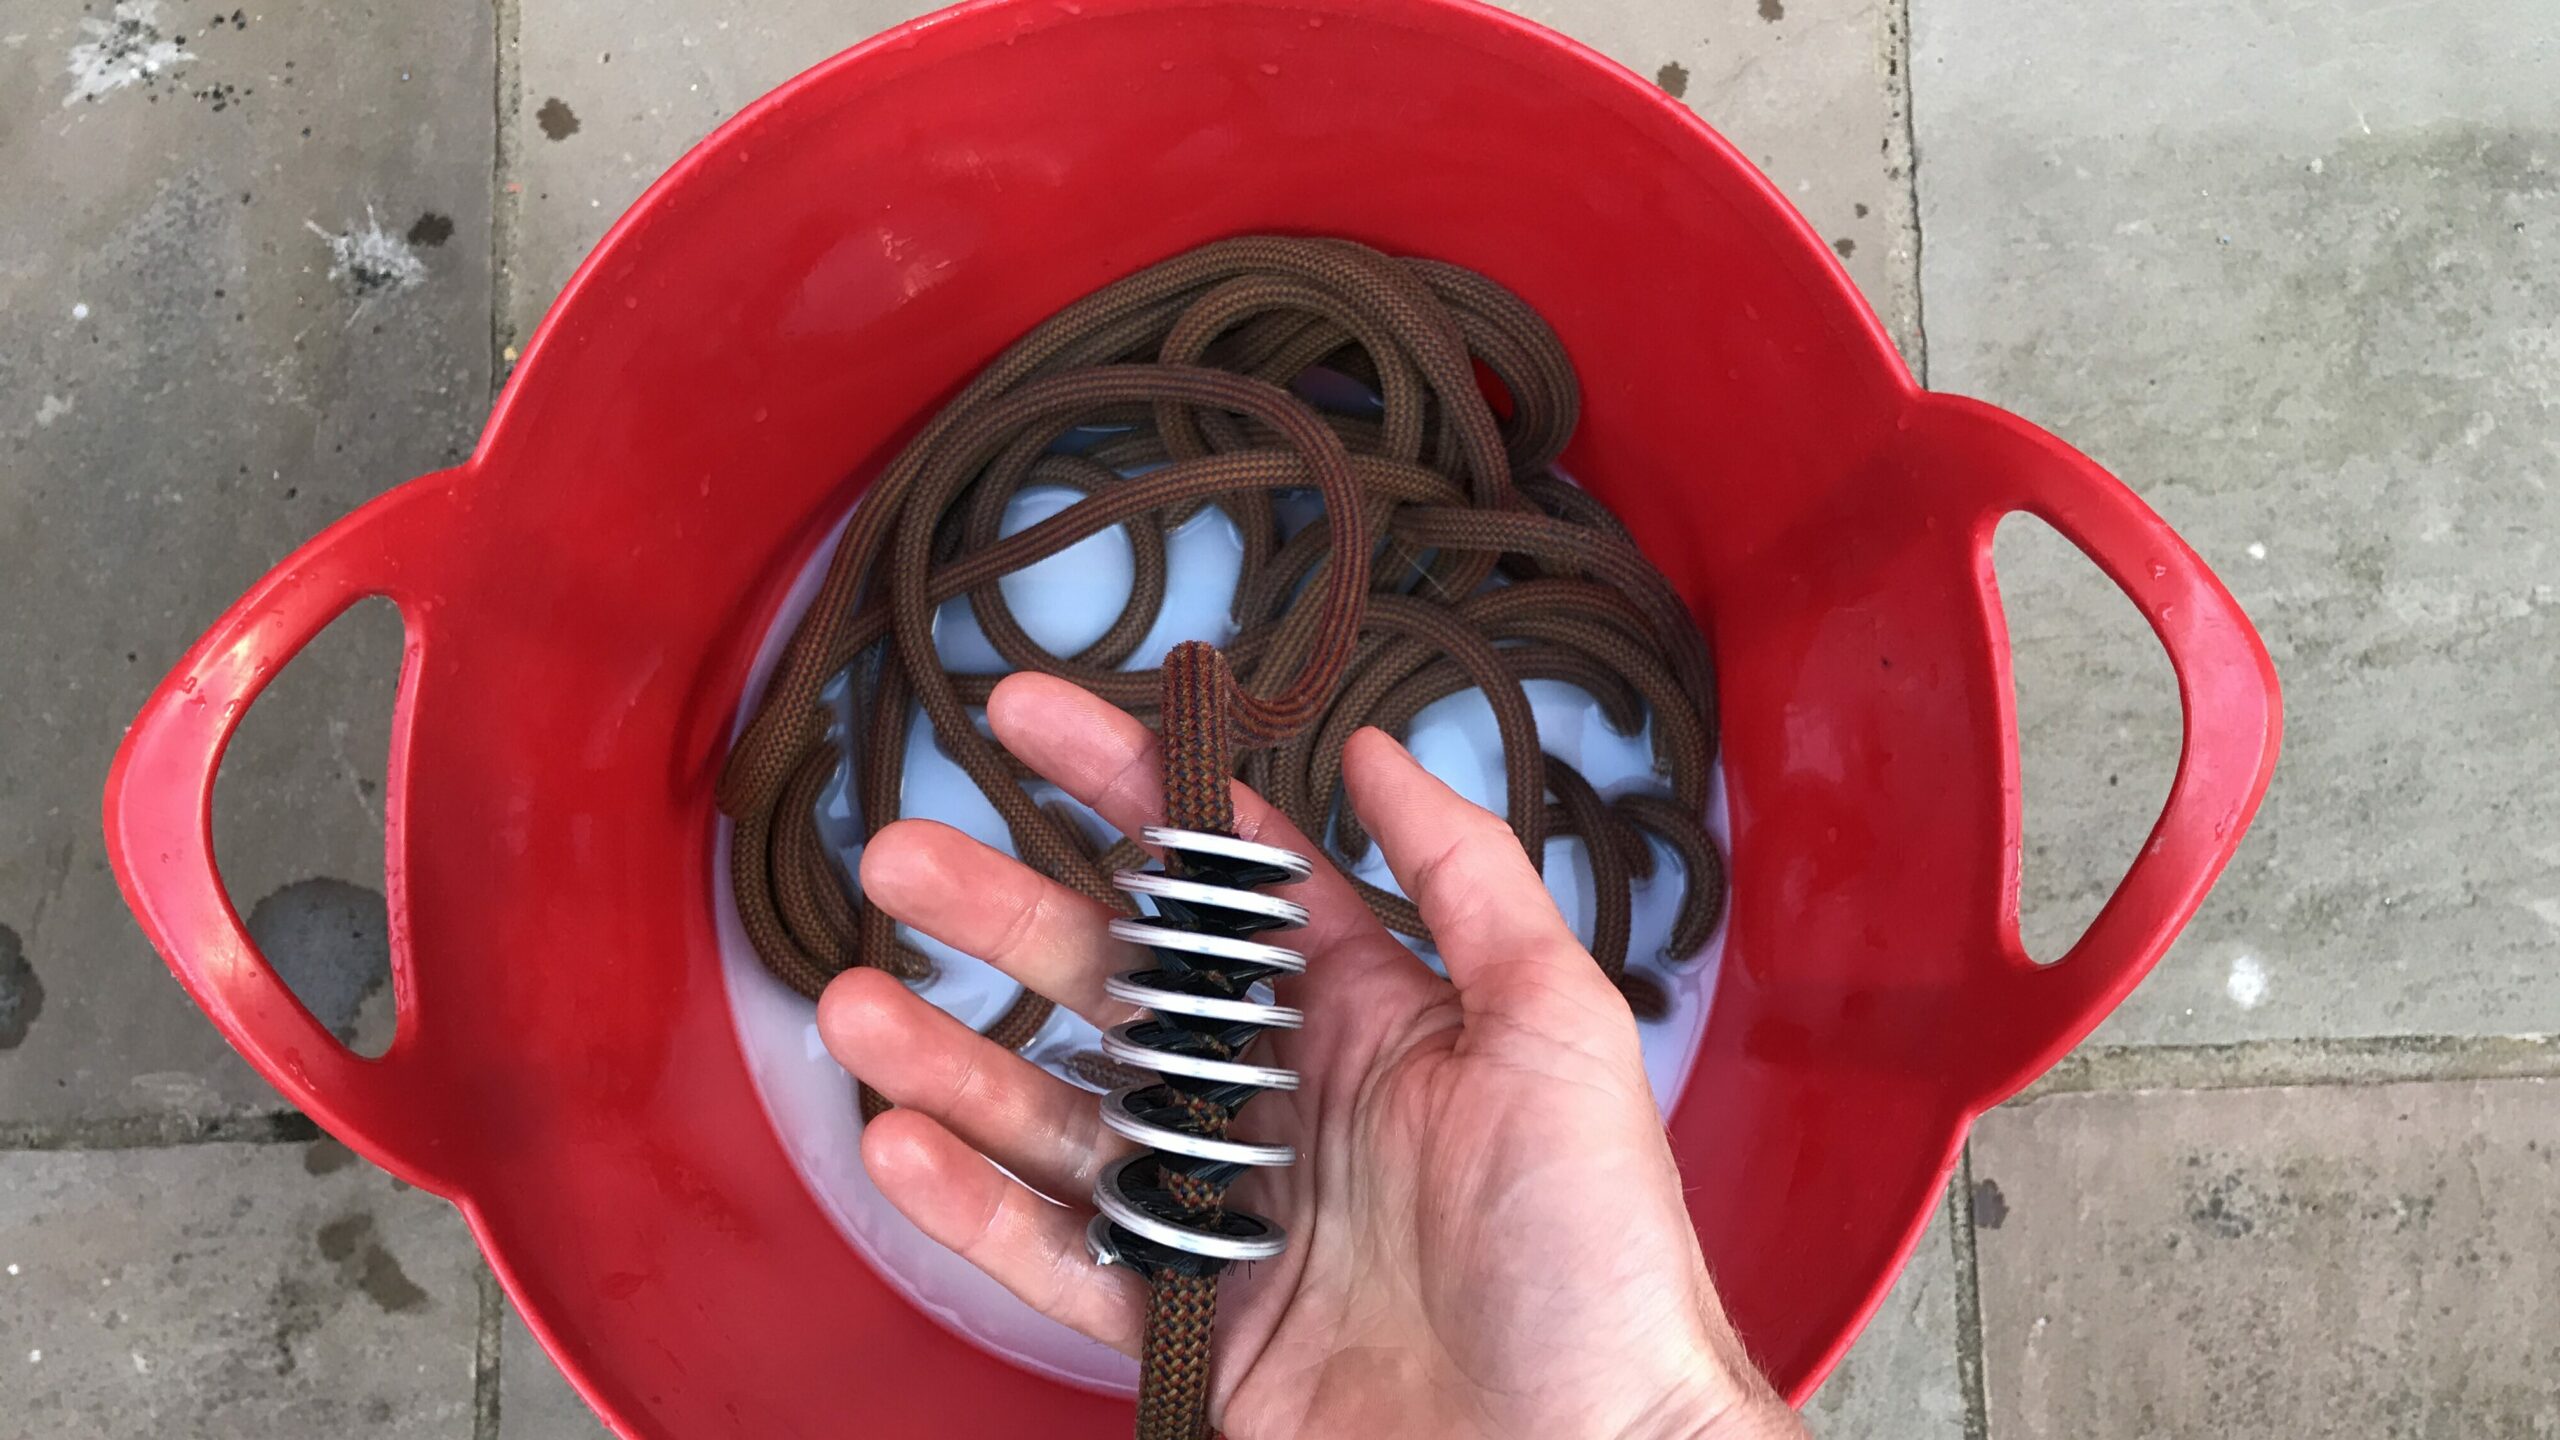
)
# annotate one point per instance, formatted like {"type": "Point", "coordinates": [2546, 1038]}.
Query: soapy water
{"type": "Point", "coordinates": [1066, 602]}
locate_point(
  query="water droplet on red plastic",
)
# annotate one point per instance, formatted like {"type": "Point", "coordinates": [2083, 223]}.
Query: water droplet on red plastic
{"type": "Point", "coordinates": [2159, 571]}
{"type": "Point", "coordinates": [186, 684]}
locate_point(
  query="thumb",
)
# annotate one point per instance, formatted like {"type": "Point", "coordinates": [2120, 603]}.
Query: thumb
{"type": "Point", "coordinates": [1497, 930]}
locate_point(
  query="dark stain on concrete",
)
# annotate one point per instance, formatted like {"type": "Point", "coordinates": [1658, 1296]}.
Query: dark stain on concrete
{"type": "Point", "coordinates": [330, 940]}
{"type": "Point", "coordinates": [2223, 1207]}
{"type": "Point", "coordinates": [1673, 77]}
{"type": "Point", "coordinates": [431, 229]}
{"type": "Point", "coordinates": [2231, 1201]}
{"type": "Point", "coordinates": [300, 1311]}
{"type": "Point", "coordinates": [1846, 246]}
{"type": "Point", "coordinates": [364, 1264]}
{"type": "Point", "coordinates": [21, 991]}
{"type": "Point", "coordinates": [556, 118]}
{"type": "Point", "coordinates": [1773, 11]}
{"type": "Point", "coordinates": [1990, 1207]}
{"type": "Point", "coordinates": [1861, 210]}
{"type": "Point", "coordinates": [326, 1156]}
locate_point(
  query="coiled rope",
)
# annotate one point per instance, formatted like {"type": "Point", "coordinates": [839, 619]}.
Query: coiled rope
{"type": "Point", "coordinates": [1474, 565]}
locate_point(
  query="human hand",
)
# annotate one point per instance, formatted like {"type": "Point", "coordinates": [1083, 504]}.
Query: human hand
{"type": "Point", "coordinates": [1487, 1230]}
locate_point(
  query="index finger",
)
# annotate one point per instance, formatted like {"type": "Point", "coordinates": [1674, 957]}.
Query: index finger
{"type": "Point", "coordinates": [1487, 906]}
{"type": "Point", "coordinates": [1106, 758]}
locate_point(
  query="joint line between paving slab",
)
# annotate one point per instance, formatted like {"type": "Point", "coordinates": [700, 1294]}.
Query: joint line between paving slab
{"type": "Point", "coordinates": [2255, 1064]}
{"type": "Point", "coordinates": [503, 208]}
{"type": "Point", "coordinates": [1977, 1406]}
{"type": "Point", "coordinates": [1900, 96]}
{"type": "Point", "coordinates": [486, 1371]}
{"type": "Point", "coordinates": [148, 1132]}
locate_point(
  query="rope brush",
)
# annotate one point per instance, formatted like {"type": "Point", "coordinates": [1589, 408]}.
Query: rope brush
{"type": "Point", "coordinates": [1449, 556]}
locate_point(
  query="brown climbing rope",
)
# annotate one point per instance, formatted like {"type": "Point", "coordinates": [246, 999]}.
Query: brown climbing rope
{"type": "Point", "coordinates": [1471, 565]}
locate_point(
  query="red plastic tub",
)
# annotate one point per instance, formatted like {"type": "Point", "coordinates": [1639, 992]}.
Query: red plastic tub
{"type": "Point", "coordinates": [583, 597]}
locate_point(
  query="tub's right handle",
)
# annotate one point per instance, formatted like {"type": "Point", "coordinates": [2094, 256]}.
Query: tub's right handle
{"type": "Point", "coordinates": [2226, 687]}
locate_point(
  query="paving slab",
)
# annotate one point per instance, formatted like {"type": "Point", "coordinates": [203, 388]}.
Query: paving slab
{"type": "Point", "coordinates": [534, 1398]}
{"type": "Point", "coordinates": [600, 107]}
{"type": "Point", "coordinates": [2345, 1261]}
{"type": "Point", "coordinates": [2290, 270]}
{"type": "Point", "coordinates": [1811, 90]}
{"type": "Point", "coordinates": [243, 287]}
{"type": "Point", "coordinates": [231, 1292]}
{"type": "Point", "coordinates": [1900, 1380]}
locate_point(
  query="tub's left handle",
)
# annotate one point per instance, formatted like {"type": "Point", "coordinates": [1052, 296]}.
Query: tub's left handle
{"type": "Point", "coordinates": [159, 823]}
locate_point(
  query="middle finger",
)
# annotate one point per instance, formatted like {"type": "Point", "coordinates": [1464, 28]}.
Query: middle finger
{"type": "Point", "coordinates": [981, 902]}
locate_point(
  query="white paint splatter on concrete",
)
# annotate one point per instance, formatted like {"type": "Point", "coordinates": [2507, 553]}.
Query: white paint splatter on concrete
{"type": "Point", "coordinates": [2247, 986]}
{"type": "Point", "coordinates": [122, 50]}
{"type": "Point", "coordinates": [80, 310]}
{"type": "Point", "coordinates": [371, 260]}
{"type": "Point", "coordinates": [2257, 551]}
{"type": "Point", "coordinates": [52, 408]}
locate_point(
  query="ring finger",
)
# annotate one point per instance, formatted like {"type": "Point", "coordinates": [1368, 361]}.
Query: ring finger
{"type": "Point", "coordinates": [1022, 1117]}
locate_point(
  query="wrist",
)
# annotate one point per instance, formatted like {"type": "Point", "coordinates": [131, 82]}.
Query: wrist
{"type": "Point", "coordinates": [1733, 1408]}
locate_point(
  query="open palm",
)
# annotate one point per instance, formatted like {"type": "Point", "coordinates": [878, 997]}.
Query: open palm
{"type": "Point", "coordinates": [1487, 1233]}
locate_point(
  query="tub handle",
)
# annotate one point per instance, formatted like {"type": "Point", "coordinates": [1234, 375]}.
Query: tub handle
{"type": "Point", "coordinates": [2226, 689]}
{"type": "Point", "coordinates": [159, 826]}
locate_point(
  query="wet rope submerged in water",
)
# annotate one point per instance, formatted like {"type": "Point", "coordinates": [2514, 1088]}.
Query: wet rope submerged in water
{"type": "Point", "coordinates": [1186, 368]}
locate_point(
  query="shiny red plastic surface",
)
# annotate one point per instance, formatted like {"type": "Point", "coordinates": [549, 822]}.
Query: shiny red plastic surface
{"type": "Point", "coordinates": [758, 334]}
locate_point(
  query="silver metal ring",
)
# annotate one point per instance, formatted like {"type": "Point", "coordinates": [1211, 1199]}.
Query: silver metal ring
{"type": "Point", "coordinates": [1228, 847]}
{"type": "Point", "coordinates": [1117, 1044]}
{"type": "Point", "coordinates": [1207, 1007]}
{"type": "Point", "coordinates": [1125, 1213]}
{"type": "Point", "coordinates": [1098, 1242]}
{"type": "Point", "coordinates": [1216, 947]}
{"type": "Point", "coordinates": [1117, 1114]}
{"type": "Point", "coordinates": [1217, 897]}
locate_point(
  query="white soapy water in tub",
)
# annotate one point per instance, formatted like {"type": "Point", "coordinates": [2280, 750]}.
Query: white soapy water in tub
{"type": "Point", "coordinates": [1066, 602]}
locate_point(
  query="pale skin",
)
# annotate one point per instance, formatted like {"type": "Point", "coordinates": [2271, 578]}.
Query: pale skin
{"type": "Point", "coordinates": [1487, 1231]}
